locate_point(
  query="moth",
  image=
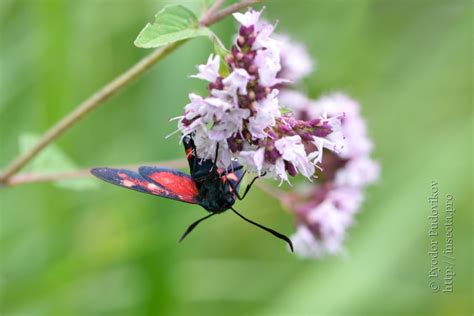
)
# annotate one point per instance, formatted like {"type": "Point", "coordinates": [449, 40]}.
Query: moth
{"type": "Point", "coordinates": [213, 188]}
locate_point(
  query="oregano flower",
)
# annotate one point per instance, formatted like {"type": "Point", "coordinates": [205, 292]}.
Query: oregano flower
{"type": "Point", "coordinates": [324, 211]}
{"type": "Point", "coordinates": [241, 118]}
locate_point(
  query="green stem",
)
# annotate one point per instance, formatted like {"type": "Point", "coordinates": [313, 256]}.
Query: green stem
{"type": "Point", "coordinates": [28, 178]}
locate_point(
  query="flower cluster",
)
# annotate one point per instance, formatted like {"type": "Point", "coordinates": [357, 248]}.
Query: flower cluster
{"type": "Point", "coordinates": [242, 114]}
{"type": "Point", "coordinates": [324, 211]}
{"type": "Point", "coordinates": [242, 119]}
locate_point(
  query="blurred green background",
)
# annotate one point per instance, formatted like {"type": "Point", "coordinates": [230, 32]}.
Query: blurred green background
{"type": "Point", "coordinates": [108, 251]}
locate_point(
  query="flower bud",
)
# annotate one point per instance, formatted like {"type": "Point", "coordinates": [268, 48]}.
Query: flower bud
{"type": "Point", "coordinates": [241, 40]}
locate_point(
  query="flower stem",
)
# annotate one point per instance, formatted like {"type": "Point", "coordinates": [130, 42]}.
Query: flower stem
{"type": "Point", "coordinates": [228, 11]}
{"type": "Point", "coordinates": [212, 11]}
{"type": "Point", "coordinates": [85, 107]}
{"type": "Point", "coordinates": [28, 178]}
{"type": "Point", "coordinates": [109, 90]}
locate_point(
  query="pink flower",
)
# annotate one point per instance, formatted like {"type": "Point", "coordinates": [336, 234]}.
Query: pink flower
{"type": "Point", "coordinates": [209, 71]}
{"type": "Point", "coordinates": [253, 159]}
{"type": "Point", "coordinates": [268, 64]}
{"type": "Point", "coordinates": [353, 127]}
{"type": "Point", "coordinates": [325, 212]}
{"type": "Point", "coordinates": [235, 84]}
{"type": "Point", "coordinates": [293, 151]}
{"type": "Point", "coordinates": [295, 60]}
{"type": "Point", "coordinates": [296, 101]}
{"type": "Point", "coordinates": [322, 225]}
{"type": "Point", "coordinates": [267, 111]}
{"type": "Point", "coordinates": [358, 172]}
{"type": "Point", "coordinates": [249, 18]}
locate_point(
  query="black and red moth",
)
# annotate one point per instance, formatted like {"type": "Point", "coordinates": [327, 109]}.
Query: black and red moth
{"type": "Point", "coordinates": [215, 189]}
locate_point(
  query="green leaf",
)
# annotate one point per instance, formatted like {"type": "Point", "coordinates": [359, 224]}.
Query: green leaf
{"type": "Point", "coordinates": [220, 50]}
{"type": "Point", "coordinates": [285, 110]}
{"type": "Point", "coordinates": [53, 160]}
{"type": "Point", "coordinates": [172, 24]}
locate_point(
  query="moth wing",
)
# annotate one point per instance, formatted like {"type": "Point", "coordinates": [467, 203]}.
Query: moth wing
{"type": "Point", "coordinates": [234, 174]}
{"type": "Point", "coordinates": [174, 181]}
{"type": "Point", "coordinates": [134, 181]}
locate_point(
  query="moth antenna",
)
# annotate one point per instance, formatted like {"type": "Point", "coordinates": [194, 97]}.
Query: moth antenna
{"type": "Point", "coordinates": [271, 231]}
{"type": "Point", "coordinates": [193, 225]}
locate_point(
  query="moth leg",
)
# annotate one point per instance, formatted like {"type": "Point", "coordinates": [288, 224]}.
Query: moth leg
{"type": "Point", "coordinates": [247, 189]}
{"type": "Point", "coordinates": [232, 169]}
{"type": "Point", "coordinates": [214, 164]}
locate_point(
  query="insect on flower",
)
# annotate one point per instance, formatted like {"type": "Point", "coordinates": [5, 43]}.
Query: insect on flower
{"type": "Point", "coordinates": [213, 188]}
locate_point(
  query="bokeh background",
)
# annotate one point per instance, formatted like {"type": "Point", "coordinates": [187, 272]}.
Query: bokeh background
{"type": "Point", "coordinates": [94, 249]}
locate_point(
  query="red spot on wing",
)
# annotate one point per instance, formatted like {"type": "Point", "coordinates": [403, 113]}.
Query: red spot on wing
{"type": "Point", "coordinates": [189, 153]}
{"type": "Point", "coordinates": [152, 188]}
{"type": "Point", "coordinates": [155, 189]}
{"type": "Point", "coordinates": [177, 184]}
